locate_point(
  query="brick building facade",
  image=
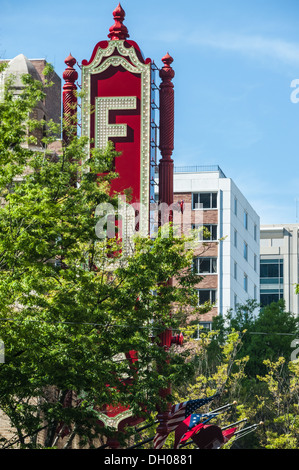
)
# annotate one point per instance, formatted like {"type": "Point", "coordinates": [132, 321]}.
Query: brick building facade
{"type": "Point", "coordinates": [50, 107]}
{"type": "Point", "coordinates": [226, 258]}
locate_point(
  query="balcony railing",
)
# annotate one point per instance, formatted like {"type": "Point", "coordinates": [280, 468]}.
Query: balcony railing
{"type": "Point", "coordinates": [199, 169]}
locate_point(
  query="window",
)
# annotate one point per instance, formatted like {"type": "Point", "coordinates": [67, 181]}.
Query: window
{"type": "Point", "coordinates": [205, 265]}
{"type": "Point", "coordinates": [255, 232]}
{"type": "Point", "coordinates": [207, 232]}
{"type": "Point", "coordinates": [235, 301]}
{"type": "Point", "coordinates": [210, 232]}
{"type": "Point", "coordinates": [236, 206]}
{"type": "Point", "coordinates": [271, 271]}
{"type": "Point", "coordinates": [206, 295]}
{"type": "Point", "coordinates": [269, 296]}
{"type": "Point", "coordinates": [255, 263]}
{"type": "Point", "coordinates": [271, 279]}
{"type": "Point", "coordinates": [245, 252]}
{"type": "Point", "coordinates": [245, 282]}
{"type": "Point", "coordinates": [255, 292]}
{"type": "Point", "coordinates": [235, 238]}
{"type": "Point", "coordinates": [206, 325]}
{"type": "Point", "coordinates": [204, 201]}
{"type": "Point", "coordinates": [202, 327]}
{"type": "Point", "coordinates": [235, 270]}
{"type": "Point", "coordinates": [245, 220]}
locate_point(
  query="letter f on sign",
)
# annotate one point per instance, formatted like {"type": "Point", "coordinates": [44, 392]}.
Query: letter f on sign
{"type": "Point", "coordinates": [104, 130]}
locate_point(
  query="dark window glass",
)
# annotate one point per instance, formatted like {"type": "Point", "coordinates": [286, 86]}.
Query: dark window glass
{"type": "Point", "coordinates": [204, 201]}
{"type": "Point", "coordinates": [272, 268]}
{"type": "Point", "coordinates": [213, 265]}
{"type": "Point", "coordinates": [267, 299]}
{"type": "Point", "coordinates": [245, 220]}
{"type": "Point", "coordinates": [205, 265]}
{"type": "Point", "coordinates": [267, 296]}
{"type": "Point", "coordinates": [206, 325]}
{"type": "Point", "coordinates": [214, 232]}
{"type": "Point", "coordinates": [212, 229]}
{"type": "Point", "coordinates": [245, 282]}
{"type": "Point", "coordinates": [206, 296]}
{"type": "Point", "coordinates": [214, 200]}
{"type": "Point", "coordinates": [203, 235]}
{"type": "Point", "coordinates": [245, 251]}
{"type": "Point", "coordinates": [195, 201]}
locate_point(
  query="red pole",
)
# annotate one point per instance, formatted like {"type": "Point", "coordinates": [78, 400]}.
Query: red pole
{"type": "Point", "coordinates": [69, 98]}
{"type": "Point", "coordinates": [166, 146]}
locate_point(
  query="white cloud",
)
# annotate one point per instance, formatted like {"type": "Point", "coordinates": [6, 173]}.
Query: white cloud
{"type": "Point", "coordinates": [253, 45]}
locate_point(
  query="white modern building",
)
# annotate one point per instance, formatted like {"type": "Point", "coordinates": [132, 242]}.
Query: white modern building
{"type": "Point", "coordinates": [228, 259]}
{"type": "Point", "coordinates": [279, 252]}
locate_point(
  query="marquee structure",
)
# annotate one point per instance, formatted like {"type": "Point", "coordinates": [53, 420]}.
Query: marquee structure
{"type": "Point", "coordinates": [119, 104]}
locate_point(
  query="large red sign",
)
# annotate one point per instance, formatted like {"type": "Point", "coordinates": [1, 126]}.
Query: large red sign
{"type": "Point", "coordinates": [117, 106]}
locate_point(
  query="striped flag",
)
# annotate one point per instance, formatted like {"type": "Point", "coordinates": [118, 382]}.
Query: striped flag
{"type": "Point", "coordinates": [191, 433]}
{"type": "Point", "coordinates": [209, 437]}
{"type": "Point", "coordinates": [228, 434]}
{"type": "Point", "coordinates": [191, 425]}
{"type": "Point", "coordinates": [177, 414]}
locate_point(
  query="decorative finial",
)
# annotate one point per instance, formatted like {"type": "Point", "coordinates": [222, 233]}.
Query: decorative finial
{"type": "Point", "coordinates": [167, 60]}
{"type": "Point", "coordinates": [70, 75]}
{"type": "Point", "coordinates": [70, 61]}
{"type": "Point", "coordinates": [167, 72]}
{"type": "Point", "coordinates": [118, 31]}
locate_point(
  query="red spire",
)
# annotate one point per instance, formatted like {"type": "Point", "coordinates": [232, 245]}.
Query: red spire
{"type": "Point", "coordinates": [70, 60]}
{"type": "Point", "coordinates": [70, 75]}
{"type": "Point", "coordinates": [167, 59]}
{"type": "Point", "coordinates": [118, 31]}
{"type": "Point", "coordinates": [167, 72]}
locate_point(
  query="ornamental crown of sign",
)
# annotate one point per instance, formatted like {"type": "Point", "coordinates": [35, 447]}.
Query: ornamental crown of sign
{"type": "Point", "coordinates": [118, 31]}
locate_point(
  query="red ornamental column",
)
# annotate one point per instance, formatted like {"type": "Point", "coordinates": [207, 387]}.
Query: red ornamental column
{"type": "Point", "coordinates": [166, 135]}
{"type": "Point", "coordinates": [166, 146]}
{"type": "Point", "coordinates": [69, 98]}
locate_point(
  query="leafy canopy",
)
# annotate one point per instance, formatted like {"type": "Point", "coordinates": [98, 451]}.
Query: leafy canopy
{"type": "Point", "coordinates": [72, 307]}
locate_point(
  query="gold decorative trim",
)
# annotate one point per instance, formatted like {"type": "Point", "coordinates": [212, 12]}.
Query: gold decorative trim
{"type": "Point", "coordinates": [103, 59]}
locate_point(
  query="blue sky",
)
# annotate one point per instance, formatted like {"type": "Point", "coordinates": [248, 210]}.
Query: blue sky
{"type": "Point", "coordinates": [234, 62]}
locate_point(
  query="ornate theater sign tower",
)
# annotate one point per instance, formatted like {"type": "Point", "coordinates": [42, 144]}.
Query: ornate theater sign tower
{"type": "Point", "coordinates": [118, 105]}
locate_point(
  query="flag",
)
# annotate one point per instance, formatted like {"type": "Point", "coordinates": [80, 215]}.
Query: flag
{"type": "Point", "coordinates": [228, 434]}
{"type": "Point", "coordinates": [177, 414]}
{"type": "Point", "coordinates": [189, 426]}
{"type": "Point", "coordinates": [185, 426]}
{"type": "Point", "coordinates": [209, 437]}
{"type": "Point", "coordinates": [188, 435]}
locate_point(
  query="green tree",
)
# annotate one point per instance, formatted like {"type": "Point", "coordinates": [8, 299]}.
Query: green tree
{"type": "Point", "coordinates": [268, 389]}
{"type": "Point", "coordinates": [271, 336]}
{"type": "Point", "coordinates": [223, 376]}
{"type": "Point", "coordinates": [72, 306]}
{"type": "Point", "coordinates": [267, 333]}
{"type": "Point", "coordinates": [280, 403]}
